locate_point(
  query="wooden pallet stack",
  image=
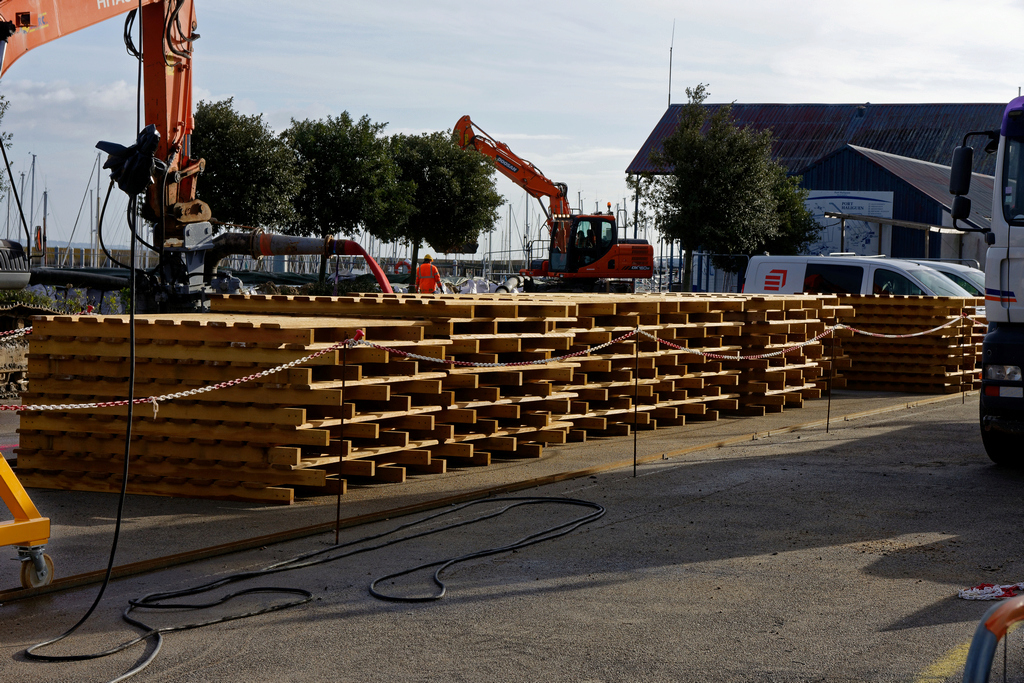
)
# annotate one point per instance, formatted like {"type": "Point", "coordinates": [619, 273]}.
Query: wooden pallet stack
{"type": "Point", "coordinates": [613, 379]}
{"type": "Point", "coordinates": [510, 411]}
{"type": "Point", "coordinates": [249, 442]}
{"type": "Point", "coordinates": [772, 324]}
{"type": "Point", "coordinates": [375, 415]}
{"type": "Point", "coordinates": [942, 362]}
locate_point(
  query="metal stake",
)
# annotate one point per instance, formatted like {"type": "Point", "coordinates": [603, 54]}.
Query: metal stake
{"type": "Point", "coordinates": [341, 438]}
{"type": "Point", "coordinates": [636, 390]}
{"type": "Point", "coordinates": [831, 372]}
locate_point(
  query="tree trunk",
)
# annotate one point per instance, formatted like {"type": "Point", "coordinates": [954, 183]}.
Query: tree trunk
{"type": "Point", "coordinates": [415, 266]}
{"type": "Point", "coordinates": [323, 268]}
{"type": "Point", "coordinates": [687, 269]}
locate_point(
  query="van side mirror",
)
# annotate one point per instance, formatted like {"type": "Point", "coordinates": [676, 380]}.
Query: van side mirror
{"type": "Point", "coordinates": [960, 173]}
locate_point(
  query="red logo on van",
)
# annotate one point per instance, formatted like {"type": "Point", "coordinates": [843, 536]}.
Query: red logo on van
{"type": "Point", "coordinates": [774, 280]}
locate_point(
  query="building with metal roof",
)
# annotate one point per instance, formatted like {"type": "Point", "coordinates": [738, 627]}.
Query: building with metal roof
{"type": "Point", "coordinates": [897, 150]}
{"type": "Point", "coordinates": [920, 194]}
{"type": "Point", "coordinates": [804, 133]}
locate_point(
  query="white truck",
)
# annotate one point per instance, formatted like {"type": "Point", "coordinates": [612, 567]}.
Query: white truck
{"type": "Point", "coordinates": [1002, 385]}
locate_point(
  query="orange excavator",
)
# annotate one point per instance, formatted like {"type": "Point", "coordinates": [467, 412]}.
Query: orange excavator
{"type": "Point", "coordinates": [584, 249]}
{"type": "Point", "coordinates": [161, 166]}
{"type": "Point", "coordinates": [160, 163]}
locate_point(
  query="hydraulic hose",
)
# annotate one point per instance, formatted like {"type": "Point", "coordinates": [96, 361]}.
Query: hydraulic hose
{"type": "Point", "coordinates": [258, 244]}
{"type": "Point", "coordinates": [59, 277]}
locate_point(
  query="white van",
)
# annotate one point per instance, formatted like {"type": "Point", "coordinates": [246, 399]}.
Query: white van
{"type": "Point", "coordinates": [845, 275]}
{"type": "Point", "coordinates": [966, 277]}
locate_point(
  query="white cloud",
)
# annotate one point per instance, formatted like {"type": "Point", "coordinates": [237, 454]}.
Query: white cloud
{"type": "Point", "coordinates": [573, 86]}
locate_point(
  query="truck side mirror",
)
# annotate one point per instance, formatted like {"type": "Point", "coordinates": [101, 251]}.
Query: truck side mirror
{"type": "Point", "coordinates": [961, 209]}
{"type": "Point", "coordinates": [960, 171]}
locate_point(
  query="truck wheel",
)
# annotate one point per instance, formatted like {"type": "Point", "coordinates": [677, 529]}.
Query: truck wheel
{"type": "Point", "coordinates": [1001, 448]}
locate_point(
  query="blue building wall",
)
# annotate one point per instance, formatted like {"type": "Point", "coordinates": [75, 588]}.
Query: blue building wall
{"type": "Point", "coordinates": [848, 170]}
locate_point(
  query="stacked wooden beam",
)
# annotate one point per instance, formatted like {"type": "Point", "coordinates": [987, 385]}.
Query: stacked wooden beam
{"type": "Point", "coordinates": [510, 411]}
{"type": "Point", "coordinates": [771, 324]}
{"type": "Point", "coordinates": [374, 414]}
{"type": "Point", "coordinates": [945, 361]}
{"type": "Point", "coordinates": [248, 442]}
{"type": "Point", "coordinates": [664, 384]}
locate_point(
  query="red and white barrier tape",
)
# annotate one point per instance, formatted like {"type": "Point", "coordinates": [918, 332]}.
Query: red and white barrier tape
{"type": "Point", "coordinates": [907, 336]}
{"type": "Point", "coordinates": [470, 364]}
{"type": "Point", "coordinates": [718, 356]}
{"type": "Point", "coordinates": [14, 334]}
{"type": "Point", "coordinates": [990, 591]}
{"type": "Point", "coordinates": [357, 340]}
{"type": "Point", "coordinates": [155, 400]}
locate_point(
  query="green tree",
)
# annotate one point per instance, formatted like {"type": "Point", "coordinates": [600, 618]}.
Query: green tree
{"type": "Point", "coordinates": [350, 180]}
{"type": "Point", "coordinates": [251, 175]}
{"type": "Point", "coordinates": [454, 197]}
{"type": "Point", "coordinates": [720, 190]}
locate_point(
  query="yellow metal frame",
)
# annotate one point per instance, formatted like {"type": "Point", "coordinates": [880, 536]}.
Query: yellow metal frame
{"type": "Point", "coordinates": [28, 528]}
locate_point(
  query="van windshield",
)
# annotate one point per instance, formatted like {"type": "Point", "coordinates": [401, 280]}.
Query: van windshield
{"type": "Point", "coordinates": [971, 285]}
{"type": "Point", "coordinates": [939, 285]}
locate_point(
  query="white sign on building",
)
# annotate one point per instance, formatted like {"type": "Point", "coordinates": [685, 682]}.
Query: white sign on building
{"type": "Point", "coordinates": [861, 237]}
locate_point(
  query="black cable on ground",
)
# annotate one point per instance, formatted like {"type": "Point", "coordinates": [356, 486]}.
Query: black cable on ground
{"type": "Point", "coordinates": [31, 651]}
{"type": "Point", "coordinates": [161, 601]}
{"type": "Point", "coordinates": [539, 537]}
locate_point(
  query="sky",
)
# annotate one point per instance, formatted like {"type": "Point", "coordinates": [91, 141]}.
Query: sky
{"type": "Point", "coordinates": [575, 87]}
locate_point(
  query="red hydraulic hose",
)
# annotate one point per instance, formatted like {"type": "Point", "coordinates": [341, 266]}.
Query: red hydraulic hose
{"type": "Point", "coordinates": [268, 244]}
{"type": "Point", "coordinates": [350, 248]}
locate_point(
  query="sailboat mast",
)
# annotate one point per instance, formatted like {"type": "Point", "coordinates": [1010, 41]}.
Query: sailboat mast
{"type": "Point", "coordinates": [44, 226]}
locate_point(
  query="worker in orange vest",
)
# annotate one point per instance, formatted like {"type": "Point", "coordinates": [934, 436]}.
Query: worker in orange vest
{"type": "Point", "coordinates": [428, 279]}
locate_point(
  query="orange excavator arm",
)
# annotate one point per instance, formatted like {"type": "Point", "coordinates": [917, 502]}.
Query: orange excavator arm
{"type": "Point", "coordinates": [519, 170]}
{"type": "Point", "coordinates": [168, 30]}
{"type": "Point", "coordinates": [36, 22]}
{"type": "Point", "coordinates": [574, 252]}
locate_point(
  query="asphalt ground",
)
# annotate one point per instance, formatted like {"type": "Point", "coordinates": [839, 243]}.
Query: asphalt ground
{"type": "Point", "coordinates": [791, 556]}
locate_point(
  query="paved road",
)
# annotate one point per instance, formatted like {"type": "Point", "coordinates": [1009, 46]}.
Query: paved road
{"type": "Point", "coordinates": [801, 557]}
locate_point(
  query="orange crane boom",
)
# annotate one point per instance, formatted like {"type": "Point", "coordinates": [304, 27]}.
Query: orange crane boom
{"type": "Point", "coordinates": [584, 247]}
{"type": "Point", "coordinates": [168, 30]}
{"type": "Point", "coordinates": [521, 171]}
{"type": "Point", "coordinates": [182, 232]}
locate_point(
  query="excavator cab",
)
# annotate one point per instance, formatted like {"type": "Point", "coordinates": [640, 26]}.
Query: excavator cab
{"type": "Point", "coordinates": [584, 241]}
